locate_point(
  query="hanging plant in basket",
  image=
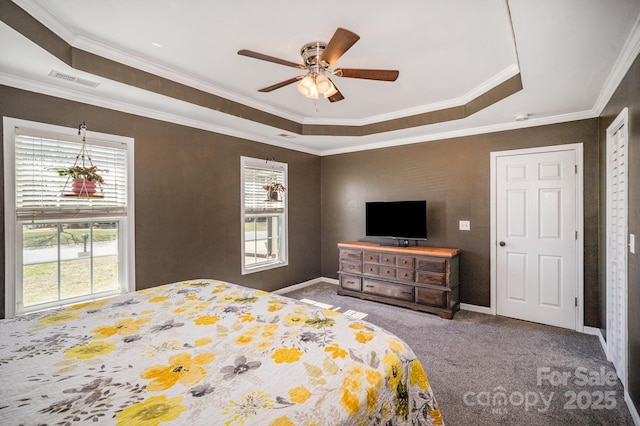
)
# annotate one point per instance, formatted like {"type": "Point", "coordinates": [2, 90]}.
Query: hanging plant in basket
{"type": "Point", "coordinates": [273, 189]}
{"type": "Point", "coordinates": [84, 179]}
{"type": "Point", "coordinates": [83, 174]}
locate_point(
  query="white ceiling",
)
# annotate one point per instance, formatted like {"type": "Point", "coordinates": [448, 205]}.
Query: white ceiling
{"type": "Point", "coordinates": [570, 54]}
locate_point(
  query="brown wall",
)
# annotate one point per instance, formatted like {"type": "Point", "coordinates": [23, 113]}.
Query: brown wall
{"type": "Point", "coordinates": [187, 187]}
{"type": "Point", "coordinates": [626, 95]}
{"type": "Point", "coordinates": [187, 195]}
{"type": "Point", "coordinates": [453, 176]}
{"type": "Point", "coordinates": [187, 198]}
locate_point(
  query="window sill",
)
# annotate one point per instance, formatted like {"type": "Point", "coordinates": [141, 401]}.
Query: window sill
{"type": "Point", "coordinates": [260, 268]}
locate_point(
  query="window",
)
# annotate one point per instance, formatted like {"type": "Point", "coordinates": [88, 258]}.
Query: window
{"type": "Point", "coordinates": [60, 248]}
{"type": "Point", "coordinates": [264, 220]}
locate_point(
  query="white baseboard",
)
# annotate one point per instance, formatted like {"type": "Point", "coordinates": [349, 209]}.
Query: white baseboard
{"type": "Point", "coordinates": [475, 308]}
{"type": "Point", "coordinates": [632, 409]}
{"type": "Point", "coordinates": [596, 332]}
{"type": "Point", "coordinates": [464, 306]}
{"type": "Point", "coordinates": [305, 284]}
{"type": "Point", "coordinates": [627, 398]}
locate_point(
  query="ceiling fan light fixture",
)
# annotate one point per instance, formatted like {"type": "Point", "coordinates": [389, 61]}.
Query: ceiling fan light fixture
{"type": "Point", "coordinates": [306, 85]}
{"type": "Point", "coordinates": [332, 91]}
{"type": "Point", "coordinates": [323, 83]}
{"type": "Point", "coordinates": [313, 92]}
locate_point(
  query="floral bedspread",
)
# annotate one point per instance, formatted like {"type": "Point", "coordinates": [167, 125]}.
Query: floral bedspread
{"type": "Point", "coordinates": [207, 352]}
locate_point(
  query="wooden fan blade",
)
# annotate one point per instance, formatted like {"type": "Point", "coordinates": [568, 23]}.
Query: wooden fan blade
{"type": "Point", "coordinates": [263, 57]}
{"type": "Point", "coordinates": [384, 75]}
{"type": "Point", "coordinates": [281, 84]}
{"type": "Point", "coordinates": [336, 96]}
{"type": "Point", "coordinates": [341, 41]}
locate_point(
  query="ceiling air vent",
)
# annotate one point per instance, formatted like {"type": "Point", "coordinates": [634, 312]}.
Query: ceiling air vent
{"type": "Point", "coordinates": [72, 79]}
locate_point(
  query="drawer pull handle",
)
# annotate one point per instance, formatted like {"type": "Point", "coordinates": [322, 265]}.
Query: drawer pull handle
{"type": "Point", "coordinates": [369, 286]}
{"type": "Point", "coordinates": [407, 292]}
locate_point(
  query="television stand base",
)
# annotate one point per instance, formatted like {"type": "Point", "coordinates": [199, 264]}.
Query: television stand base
{"type": "Point", "coordinates": [399, 243]}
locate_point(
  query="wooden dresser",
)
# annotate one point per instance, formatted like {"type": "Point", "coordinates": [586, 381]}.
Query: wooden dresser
{"type": "Point", "coordinates": [421, 278]}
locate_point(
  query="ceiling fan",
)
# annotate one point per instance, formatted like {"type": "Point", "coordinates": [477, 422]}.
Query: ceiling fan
{"type": "Point", "coordinates": [318, 57]}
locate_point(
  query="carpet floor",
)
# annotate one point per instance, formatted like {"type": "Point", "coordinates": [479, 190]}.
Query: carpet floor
{"type": "Point", "coordinates": [487, 369]}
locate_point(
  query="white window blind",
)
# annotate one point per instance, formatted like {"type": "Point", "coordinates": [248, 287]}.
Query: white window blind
{"type": "Point", "coordinates": [40, 190]}
{"type": "Point", "coordinates": [255, 196]}
{"type": "Point", "coordinates": [264, 220]}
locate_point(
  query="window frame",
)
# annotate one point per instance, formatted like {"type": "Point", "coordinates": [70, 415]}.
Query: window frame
{"type": "Point", "coordinates": [283, 260]}
{"type": "Point", "coordinates": [13, 226]}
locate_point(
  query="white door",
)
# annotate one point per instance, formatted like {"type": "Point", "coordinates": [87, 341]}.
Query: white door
{"type": "Point", "coordinates": [536, 236]}
{"type": "Point", "coordinates": [617, 244]}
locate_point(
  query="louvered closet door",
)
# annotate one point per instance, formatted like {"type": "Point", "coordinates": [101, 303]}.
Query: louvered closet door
{"type": "Point", "coordinates": [617, 249]}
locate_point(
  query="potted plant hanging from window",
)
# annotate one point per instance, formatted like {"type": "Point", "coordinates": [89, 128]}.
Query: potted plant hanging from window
{"type": "Point", "coordinates": [273, 189]}
{"type": "Point", "coordinates": [83, 173]}
{"type": "Point", "coordinates": [84, 179]}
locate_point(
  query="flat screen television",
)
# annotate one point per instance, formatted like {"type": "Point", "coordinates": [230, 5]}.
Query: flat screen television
{"type": "Point", "coordinates": [405, 220]}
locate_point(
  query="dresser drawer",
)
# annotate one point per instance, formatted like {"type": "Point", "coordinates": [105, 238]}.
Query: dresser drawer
{"type": "Point", "coordinates": [430, 297]}
{"type": "Point", "coordinates": [351, 255]}
{"type": "Point", "coordinates": [371, 269]}
{"type": "Point", "coordinates": [386, 272]}
{"type": "Point", "coordinates": [351, 283]}
{"type": "Point", "coordinates": [387, 259]}
{"type": "Point", "coordinates": [405, 261]}
{"type": "Point", "coordinates": [371, 257]}
{"type": "Point", "coordinates": [430, 278]}
{"type": "Point", "coordinates": [354, 268]}
{"type": "Point", "coordinates": [405, 275]}
{"type": "Point", "coordinates": [396, 291]}
{"type": "Point", "coordinates": [431, 264]}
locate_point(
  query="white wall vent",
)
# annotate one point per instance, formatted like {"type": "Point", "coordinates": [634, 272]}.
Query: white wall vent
{"type": "Point", "coordinates": [72, 79]}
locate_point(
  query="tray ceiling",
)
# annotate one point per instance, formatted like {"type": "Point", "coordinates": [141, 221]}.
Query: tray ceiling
{"type": "Point", "coordinates": [465, 66]}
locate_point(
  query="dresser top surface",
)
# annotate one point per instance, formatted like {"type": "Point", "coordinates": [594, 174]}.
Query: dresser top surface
{"type": "Point", "coordinates": [412, 250]}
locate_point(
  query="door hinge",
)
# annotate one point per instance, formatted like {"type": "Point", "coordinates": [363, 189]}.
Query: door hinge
{"type": "Point", "coordinates": [576, 302]}
{"type": "Point", "coordinates": [576, 235]}
{"type": "Point", "coordinates": [575, 168]}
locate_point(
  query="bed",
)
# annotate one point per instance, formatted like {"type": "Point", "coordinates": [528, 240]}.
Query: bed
{"type": "Point", "coordinates": [207, 352]}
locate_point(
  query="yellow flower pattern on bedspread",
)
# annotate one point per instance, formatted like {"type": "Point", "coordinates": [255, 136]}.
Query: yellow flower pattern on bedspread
{"type": "Point", "coordinates": [207, 352]}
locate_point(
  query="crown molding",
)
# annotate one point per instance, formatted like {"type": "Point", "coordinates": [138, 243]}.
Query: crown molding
{"type": "Point", "coordinates": [542, 121]}
{"type": "Point", "coordinates": [628, 55]}
{"type": "Point", "coordinates": [141, 63]}
{"type": "Point", "coordinates": [621, 67]}
{"type": "Point", "coordinates": [135, 61]}
{"type": "Point", "coordinates": [48, 20]}
{"type": "Point", "coordinates": [481, 89]}
{"type": "Point", "coordinates": [72, 94]}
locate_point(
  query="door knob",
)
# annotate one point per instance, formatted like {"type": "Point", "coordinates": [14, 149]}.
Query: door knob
{"type": "Point", "coordinates": [502, 244]}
